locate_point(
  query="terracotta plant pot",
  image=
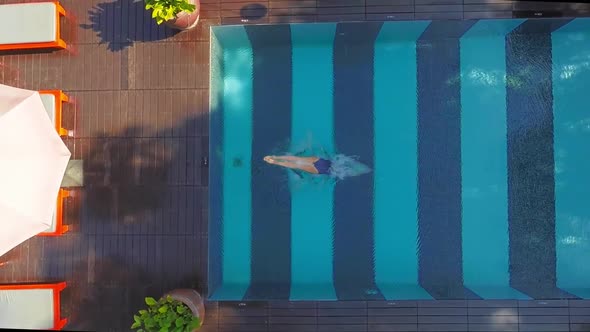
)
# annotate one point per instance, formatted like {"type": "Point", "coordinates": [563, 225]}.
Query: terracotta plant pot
{"type": "Point", "coordinates": [184, 20]}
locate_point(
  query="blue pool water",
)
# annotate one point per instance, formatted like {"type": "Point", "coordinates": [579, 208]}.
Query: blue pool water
{"type": "Point", "coordinates": [477, 136]}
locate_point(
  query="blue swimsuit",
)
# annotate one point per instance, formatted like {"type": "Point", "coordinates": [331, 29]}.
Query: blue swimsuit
{"type": "Point", "coordinates": [323, 166]}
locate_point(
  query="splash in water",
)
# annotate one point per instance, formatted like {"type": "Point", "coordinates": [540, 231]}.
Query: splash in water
{"type": "Point", "coordinates": [342, 167]}
{"type": "Point", "coordinates": [346, 166]}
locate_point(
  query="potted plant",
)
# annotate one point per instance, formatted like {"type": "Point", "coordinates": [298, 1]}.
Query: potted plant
{"type": "Point", "coordinates": [181, 310]}
{"type": "Point", "coordinates": [177, 14]}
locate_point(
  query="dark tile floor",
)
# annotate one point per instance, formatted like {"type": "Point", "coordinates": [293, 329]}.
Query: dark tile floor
{"type": "Point", "coordinates": [139, 227]}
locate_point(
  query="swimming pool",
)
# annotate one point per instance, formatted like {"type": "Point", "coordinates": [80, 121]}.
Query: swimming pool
{"type": "Point", "coordinates": [477, 134]}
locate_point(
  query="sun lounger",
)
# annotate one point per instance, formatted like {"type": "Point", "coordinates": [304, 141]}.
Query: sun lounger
{"type": "Point", "coordinates": [31, 306]}
{"type": "Point", "coordinates": [57, 227]}
{"type": "Point", "coordinates": [53, 101]}
{"type": "Point", "coordinates": [73, 178]}
{"type": "Point", "coordinates": [31, 26]}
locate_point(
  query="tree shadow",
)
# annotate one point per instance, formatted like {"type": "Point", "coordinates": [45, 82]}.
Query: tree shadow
{"type": "Point", "coordinates": [253, 11]}
{"type": "Point", "coordinates": [120, 286]}
{"type": "Point", "coordinates": [121, 23]}
{"type": "Point", "coordinates": [126, 176]}
{"type": "Point", "coordinates": [550, 9]}
{"type": "Point", "coordinates": [118, 294]}
{"type": "Point", "coordinates": [113, 283]}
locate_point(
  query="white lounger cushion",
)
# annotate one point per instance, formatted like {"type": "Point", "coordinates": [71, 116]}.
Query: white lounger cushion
{"type": "Point", "coordinates": [28, 23]}
{"type": "Point", "coordinates": [26, 309]}
{"type": "Point", "coordinates": [48, 100]}
{"type": "Point", "coordinates": [53, 222]}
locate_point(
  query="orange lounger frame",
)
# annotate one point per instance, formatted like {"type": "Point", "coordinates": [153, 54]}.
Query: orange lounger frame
{"type": "Point", "coordinates": [58, 228]}
{"type": "Point", "coordinates": [59, 98]}
{"type": "Point", "coordinates": [52, 289]}
{"type": "Point", "coordinates": [57, 41]}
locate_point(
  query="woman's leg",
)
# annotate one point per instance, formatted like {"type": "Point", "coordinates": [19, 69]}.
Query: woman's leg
{"type": "Point", "coordinates": [310, 160]}
{"type": "Point", "coordinates": [309, 169]}
{"type": "Point", "coordinates": [289, 164]}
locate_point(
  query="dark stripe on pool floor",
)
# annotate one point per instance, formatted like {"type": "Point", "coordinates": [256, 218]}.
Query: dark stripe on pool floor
{"type": "Point", "coordinates": [271, 199]}
{"type": "Point", "coordinates": [439, 160]}
{"type": "Point", "coordinates": [216, 181]}
{"type": "Point", "coordinates": [531, 186]}
{"type": "Point", "coordinates": [354, 268]}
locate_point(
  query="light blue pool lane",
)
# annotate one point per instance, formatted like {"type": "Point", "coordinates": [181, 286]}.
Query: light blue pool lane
{"type": "Point", "coordinates": [312, 199]}
{"type": "Point", "coordinates": [395, 126]}
{"type": "Point", "coordinates": [571, 79]}
{"type": "Point", "coordinates": [237, 129]}
{"type": "Point", "coordinates": [484, 161]}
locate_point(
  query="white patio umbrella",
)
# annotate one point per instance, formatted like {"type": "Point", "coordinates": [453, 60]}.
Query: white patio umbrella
{"type": "Point", "coordinates": [33, 159]}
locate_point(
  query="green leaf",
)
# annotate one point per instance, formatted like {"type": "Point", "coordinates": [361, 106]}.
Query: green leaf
{"type": "Point", "coordinates": [179, 322]}
{"type": "Point", "coordinates": [181, 309]}
{"type": "Point", "coordinates": [170, 14]}
{"type": "Point", "coordinates": [196, 322]}
{"type": "Point", "coordinates": [143, 312]}
{"type": "Point", "coordinates": [136, 325]}
{"type": "Point", "coordinates": [150, 322]}
{"type": "Point", "coordinates": [190, 8]}
{"type": "Point", "coordinates": [150, 301]}
{"type": "Point", "coordinates": [163, 309]}
{"type": "Point", "coordinates": [164, 10]}
{"type": "Point", "coordinates": [136, 319]}
{"type": "Point", "coordinates": [169, 299]}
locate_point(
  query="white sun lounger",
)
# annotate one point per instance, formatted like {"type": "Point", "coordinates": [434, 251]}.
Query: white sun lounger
{"type": "Point", "coordinates": [31, 306]}
{"type": "Point", "coordinates": [57, 227]}
{"type": "Point", "coordinates": [73, 178]}
{"type": "Point", "coordinates": [53, 101]}
{"type": "Point", "coordinates": [31, 25]}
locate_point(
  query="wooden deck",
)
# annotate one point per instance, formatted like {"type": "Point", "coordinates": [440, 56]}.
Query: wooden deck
{"type": "Point", "coordinates": [139, 227]}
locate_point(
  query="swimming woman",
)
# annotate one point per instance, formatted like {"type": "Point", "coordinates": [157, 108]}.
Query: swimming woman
{"type": "Point", "coordinates": [313, 165]}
